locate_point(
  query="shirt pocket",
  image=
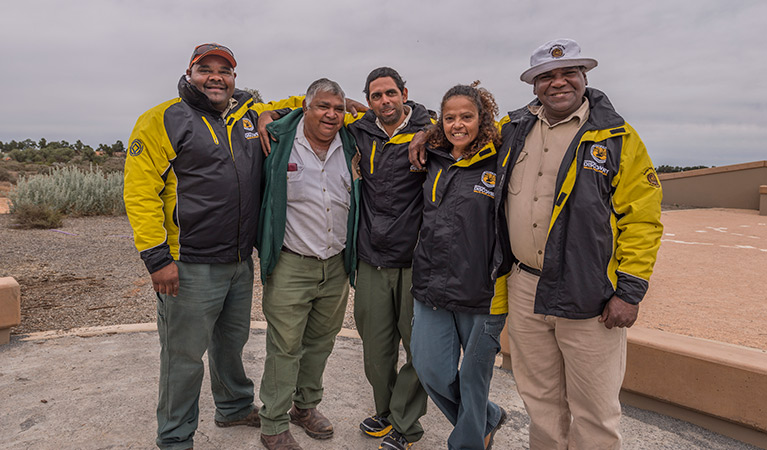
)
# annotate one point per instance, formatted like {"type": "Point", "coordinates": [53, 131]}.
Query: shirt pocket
{"type": "Point", "coordinates": [296, 188]}
{"type": "Point", "coordinates": [518, 173]}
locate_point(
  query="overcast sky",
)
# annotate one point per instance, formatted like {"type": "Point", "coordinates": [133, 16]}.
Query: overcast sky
{"type": "Point", "coordinates": [688, 75]}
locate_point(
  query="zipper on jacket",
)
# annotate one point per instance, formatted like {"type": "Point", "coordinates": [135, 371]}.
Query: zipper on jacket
{"type": "Point", "coordinates": [396, 139]}
{"type": "Point", "coordinates": [434, 188]}
{"type": "Point", "coordinates": [372, 155]}
{"type": "Point", "coordinates": [229, 124]}
{"type": "Point", "coordinates": [210, 128]}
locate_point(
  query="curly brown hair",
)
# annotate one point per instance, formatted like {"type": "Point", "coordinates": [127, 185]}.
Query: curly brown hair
{"type": "Point", "coordinates": [487, 109]}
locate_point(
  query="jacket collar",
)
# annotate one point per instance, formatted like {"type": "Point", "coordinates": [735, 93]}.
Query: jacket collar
{"type": "Point", "coordinates": [190, 94]}
{"type": "Point", "coordinates": [485, 152]}
{"type": "Point", "coordinates": [419, 118]}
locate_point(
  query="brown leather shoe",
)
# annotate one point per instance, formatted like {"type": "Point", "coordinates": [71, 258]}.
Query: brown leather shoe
{"type": "Point", "coordinates": [282, 441]}
{"type": "Point", "coordinates": [251, 420]}
{"type": "Point", "coordinates": [312, 421]}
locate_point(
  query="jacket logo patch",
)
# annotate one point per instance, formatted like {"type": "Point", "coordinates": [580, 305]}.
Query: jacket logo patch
{"type": "Point", "coordinates": [652, 178]}
{"type": "Point", "coordinates": [488, 184]}
{"type": "Point", "coordinates": [136, 147]}
{"type": "Point", "coordinates": [589, 164]}
{"type": "Point", "coordinates": [488, 179]}
{"type": "Point", "coordinates": [247, 124]}
{"type": "Point", "coordinates": [251, 135]}
{"type": "Point", "coordinates": [599, 153]}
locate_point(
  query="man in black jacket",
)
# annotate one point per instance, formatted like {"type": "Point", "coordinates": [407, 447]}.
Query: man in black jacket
{"type": "Point", "coordinates": [192, 194]}
{"type": "Point", "coordinates": [390, 217]}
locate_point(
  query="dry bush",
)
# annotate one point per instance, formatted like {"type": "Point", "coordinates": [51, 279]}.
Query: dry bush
{"type": "Point", "coordinates": [36, 216]}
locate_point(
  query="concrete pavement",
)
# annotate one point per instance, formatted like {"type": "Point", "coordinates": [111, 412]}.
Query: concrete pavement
{"type": "Point", "coordinates": [97, 390]}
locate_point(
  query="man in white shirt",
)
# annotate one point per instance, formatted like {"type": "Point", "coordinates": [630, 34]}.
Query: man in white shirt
{"type": "Point", "coordinates": [307, 249]}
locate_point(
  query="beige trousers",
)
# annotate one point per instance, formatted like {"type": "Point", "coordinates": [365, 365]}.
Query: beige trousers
{"type": "Point", "coordinates": [568, 373]}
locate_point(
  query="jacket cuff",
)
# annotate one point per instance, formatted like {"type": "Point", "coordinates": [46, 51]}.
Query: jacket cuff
{"type": "Point", "coordinates": [631, 289]}
{"type": "Point", "coordinates": [156, 258]}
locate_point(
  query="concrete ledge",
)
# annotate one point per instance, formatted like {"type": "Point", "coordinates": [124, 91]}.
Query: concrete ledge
{"type": "Point", "coordinates": [721, 380]}
{"type": "Point", "coordinates": [712, 170]}
{"type": "Point", "coordinates": [763, 200]}
{"type": "Point", "coordinates": [10, 307]}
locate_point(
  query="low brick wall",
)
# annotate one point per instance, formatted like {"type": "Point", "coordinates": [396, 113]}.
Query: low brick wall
{"type": "Point", "coordinates": [10, 307]}
{"type": "Point", "coordinates": [722, 380]}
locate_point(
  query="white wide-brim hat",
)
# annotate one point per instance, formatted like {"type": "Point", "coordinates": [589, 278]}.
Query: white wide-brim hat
{"type": "Point", "coordinates": [553, 55]}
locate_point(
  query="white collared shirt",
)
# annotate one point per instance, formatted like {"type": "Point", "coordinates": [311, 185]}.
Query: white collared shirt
{"type": "Point", "coordinates": [319, 193]}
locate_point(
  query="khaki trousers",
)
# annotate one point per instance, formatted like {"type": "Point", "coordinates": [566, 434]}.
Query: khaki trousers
{"type": "Point", "coordinates": [304, 305]}
{"type": "Point", "coordinates": [568, 373]}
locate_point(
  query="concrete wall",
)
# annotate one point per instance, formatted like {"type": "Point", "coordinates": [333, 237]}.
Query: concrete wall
{"type": "Point", "coordinates": [10, 307]}
{"type": "Point", "coordinates": [722, 380]}
{"type": "Point", "coordinates": [735, 186]}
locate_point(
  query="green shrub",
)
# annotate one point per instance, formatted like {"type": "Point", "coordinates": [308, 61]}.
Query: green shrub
{"type": "Point", "coordinates": [5, 175]}
{"type": "Point", "coordinates": [36, 216]}
{"type": "Point", "coordinates": [72, 191]}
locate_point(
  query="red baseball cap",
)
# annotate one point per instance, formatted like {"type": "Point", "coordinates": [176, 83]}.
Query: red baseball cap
{"type": "Point", "coordinates": [204, 50]}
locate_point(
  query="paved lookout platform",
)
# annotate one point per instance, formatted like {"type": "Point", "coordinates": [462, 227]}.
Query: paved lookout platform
{"type": "Point", "coordinates": [96, 389]}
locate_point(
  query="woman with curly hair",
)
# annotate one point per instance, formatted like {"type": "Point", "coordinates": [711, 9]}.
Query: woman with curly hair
{"type": "Point", "coordinates": [459, 305]}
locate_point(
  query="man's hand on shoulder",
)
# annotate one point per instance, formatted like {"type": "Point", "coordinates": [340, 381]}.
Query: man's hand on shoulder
{"type": "Point", "coordinates": [264, 119]}
{"type": "Point", "coordinates": [618, 313]}
{"type": "Point", "coordinates": [165, 280]}
{"type": "Point", "coordinates": [417, 150]}
{"type": "Point", "coordinates": [354, 107]}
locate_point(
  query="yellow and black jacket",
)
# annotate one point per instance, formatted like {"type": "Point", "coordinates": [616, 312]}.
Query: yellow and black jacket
{"type": "Point", "coordinates": [193, 179]}
{"type": "Point", "coordinates": [605, 227]}
{"type": "Point", "coordinates": [391, 200]}
{"type": "Point", "coordinates": [453, 259]}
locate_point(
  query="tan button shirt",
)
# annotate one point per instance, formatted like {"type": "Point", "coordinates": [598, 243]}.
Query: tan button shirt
{"type": "Point", "coordinates": [530, 199]}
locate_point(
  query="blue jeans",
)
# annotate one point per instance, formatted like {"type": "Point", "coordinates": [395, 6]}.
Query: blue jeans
{"type": "Point", "coordinates": [460, 393]}
{"type": "Point", "coordinates": [211, 312]}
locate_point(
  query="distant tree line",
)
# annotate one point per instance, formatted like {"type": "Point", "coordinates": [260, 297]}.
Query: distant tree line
{"type": "Point", "coordinates": [671, 169]}
{"type": "Point", "coordinates": [45, 152]}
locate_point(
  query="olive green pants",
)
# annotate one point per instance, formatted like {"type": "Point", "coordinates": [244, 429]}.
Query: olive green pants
{"type": "Point", "coordinates": [383, 310]}
{"type": "Point", "coordinates": [304, 305]}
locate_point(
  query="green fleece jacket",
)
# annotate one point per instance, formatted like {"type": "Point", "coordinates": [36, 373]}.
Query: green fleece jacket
{"type": "Point", "coordinates": [271, 225]}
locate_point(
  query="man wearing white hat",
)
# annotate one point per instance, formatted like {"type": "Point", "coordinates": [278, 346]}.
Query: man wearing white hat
{"type": "Point", "coordinates": [578, 228]}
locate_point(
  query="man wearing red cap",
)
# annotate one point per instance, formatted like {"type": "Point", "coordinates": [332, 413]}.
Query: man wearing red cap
{"type": "Point", "coordinates": [578, 227]}
{"type": "Point", "coordinates": [193, 195]}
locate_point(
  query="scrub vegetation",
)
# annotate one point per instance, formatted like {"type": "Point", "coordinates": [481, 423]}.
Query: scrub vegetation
{"type": "Point", "coordinates": [66, 190]}
{"type": "Point", "coordinates": [48, 180]}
